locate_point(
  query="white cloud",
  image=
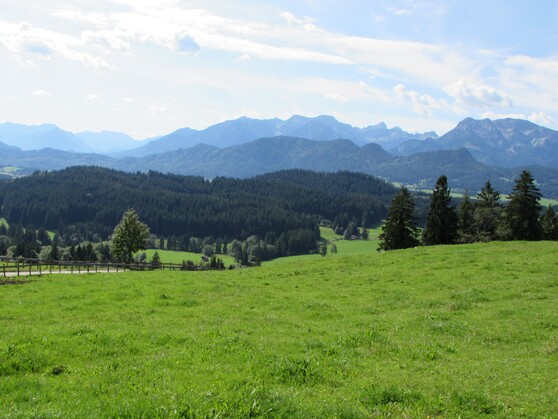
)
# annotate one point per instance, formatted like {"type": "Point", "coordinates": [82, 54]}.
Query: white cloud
{"type": "Point", "coordinates": [24, 39]}
{"type": "Point", "coordinates": [400, 12]}
{"type": "Point", "coordinates": [244, 58]}
{"type": "Point", "coordinates": [339, 90]}
{"type": "Point", "coordinates": [41, 92]}
{"type": "Point", "coordinates": [477, 95]}
{"type": "Point", "coordinates": [540, 118]}
{"type": "Point", "coordinates": [307, 23]}
{"type": "Point", "coordinates": [158, 108]}
{"type": "Point", "coordinates": [420, 103]}
{"type": "Point", "coordinates": [93, 96]}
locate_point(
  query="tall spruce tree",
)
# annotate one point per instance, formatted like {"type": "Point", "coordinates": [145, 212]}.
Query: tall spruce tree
{"type": "Point", "coordinates": [400, 230]}
{"type": "Point", "coordinates": [522, 212]}
{"type": "Point", "coordinates": [549, 224]}
{"type": "Point", "coordinates": [441, 222]}
{"type": "Point", "coordinates": [465, 224]}
{"type": "Point", "coordinates": [488, 211]}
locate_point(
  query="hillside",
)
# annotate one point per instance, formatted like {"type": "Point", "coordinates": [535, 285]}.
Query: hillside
{"type": "Point", "coordinates": [277, 153]}
{"type": "Point", "coordinates": [93, 200]}
{"type": "Point", "coordinates": [452, 331]}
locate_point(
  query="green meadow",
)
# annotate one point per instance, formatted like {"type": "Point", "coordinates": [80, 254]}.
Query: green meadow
{"type": "Point", "coordinates": [175, 256]}
{"type": "Point", "coordinates": [448, 331]}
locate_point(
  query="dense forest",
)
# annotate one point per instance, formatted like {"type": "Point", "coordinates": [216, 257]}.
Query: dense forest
{"type": "Point", "coordinates": [283, 209]}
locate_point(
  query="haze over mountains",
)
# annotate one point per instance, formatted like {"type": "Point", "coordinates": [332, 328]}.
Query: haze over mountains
{"type": "Point", "coordinates": [37, 137]}
{"type": "Point", "coordinates": [473, 152]}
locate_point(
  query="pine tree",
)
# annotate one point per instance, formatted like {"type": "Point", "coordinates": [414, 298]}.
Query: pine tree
{"type": "Point", "coordinates": [333, 248]}
{"type": "Point", "coordinates": [323, 248]}
{"type": "Point", "coordinates": [400, 230]}
{"type": "Point", "coordinates": [441, 222]}
{"type": "Point", "coordinates": [465, 228]}
{"type": "Point", "coordinates": [522, 212]}
{"type": "Point", "coordinates": [488, 211]}
{"type": "Point", "coordinates": [155, 260]}
{"type": "Point", "coordinates": [364, 234]}
{"type": "Point", "coordinates": [549, 224]}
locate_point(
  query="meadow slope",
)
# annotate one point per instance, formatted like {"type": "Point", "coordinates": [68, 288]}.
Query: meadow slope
{"type": "Point", "coordinates": [465, 330]}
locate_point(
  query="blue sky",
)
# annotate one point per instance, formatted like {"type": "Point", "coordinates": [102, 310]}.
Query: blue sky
{"type": "Point", "coordinates": [149, 67]}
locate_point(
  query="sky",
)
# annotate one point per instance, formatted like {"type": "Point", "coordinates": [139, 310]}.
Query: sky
{"type": "Point", "coordinates": [147, 68]}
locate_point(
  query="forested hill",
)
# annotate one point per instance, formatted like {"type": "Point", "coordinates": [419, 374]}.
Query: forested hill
{"type": "Point", "coordinates": [89, 201]}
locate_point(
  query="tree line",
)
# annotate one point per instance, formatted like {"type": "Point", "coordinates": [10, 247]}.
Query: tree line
{"type": "Point", "coordinates": [282, 210]}
{"type": "Point", "coordinates": [483, 218]}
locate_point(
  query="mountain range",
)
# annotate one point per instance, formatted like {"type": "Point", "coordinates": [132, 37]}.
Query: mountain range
{"type": "Point", "coordinates": [505, 142]}
{"type": "Point", "coordinates": [37, 137]}
{"type": "Point", "coordinates": [473, 152]}
{"type": "Point", "coordinates": [243, 130]}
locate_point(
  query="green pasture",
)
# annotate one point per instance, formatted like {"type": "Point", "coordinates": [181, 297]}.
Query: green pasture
{"type": "Point", "coordinates": [448, 331]}
{"type": "Point", "coordinates": [174, 256]}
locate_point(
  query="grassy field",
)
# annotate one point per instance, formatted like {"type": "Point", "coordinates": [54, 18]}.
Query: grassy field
{"type": "Point", "coordinates": [434, 331]}
{"type": "Point", "coordinates": [172, 256]}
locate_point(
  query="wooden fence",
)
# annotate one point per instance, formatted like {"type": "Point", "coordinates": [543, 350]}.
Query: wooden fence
{"type": "Point", "coordinates": [26, 267]}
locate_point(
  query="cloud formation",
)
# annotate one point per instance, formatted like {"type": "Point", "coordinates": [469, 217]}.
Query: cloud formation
{"type": "Point", "coordinates": [26, 39]}
{"type": "Point", "coordinates": [477, 95]}
{"type": "Point", "coordinates": [40, 92]}
{"type": "Point", "coordinates": [287, 61]}
{"type": "Point", "coordinates": [422, 104]}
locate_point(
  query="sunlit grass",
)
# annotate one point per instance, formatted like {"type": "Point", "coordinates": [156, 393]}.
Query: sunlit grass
{"type": "Point", "coordinates": [175, 256]}
{"type": "Point", "coordinates": [434, 331]}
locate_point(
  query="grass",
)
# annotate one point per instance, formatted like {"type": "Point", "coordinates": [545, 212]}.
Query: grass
{"type": "Point", "coordinates": [173, 256]}
{"type": "Point", "coordinates": [450, 331]}
{"type": "Point", "coordinates": [545, 202]}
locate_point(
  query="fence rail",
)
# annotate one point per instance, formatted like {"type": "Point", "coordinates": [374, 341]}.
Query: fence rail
{"type": "Point", "coordinates": [28, 267]}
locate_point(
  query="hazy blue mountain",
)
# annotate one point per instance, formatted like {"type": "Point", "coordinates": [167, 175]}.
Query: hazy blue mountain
{"type": "Point", "coordinates": [271, 154]}
{"type": "Point", "coordinates": [49, 159]}
{"type": "Point", "coordinates": [244, 130]}
{"type": "Point", "coordinates": [415, 146]}
{"type": "Point", "coordinates": [277, 153]}
{"type": "Point", "coordinates": [262, 156]}
{"type": "Point", "coordinates": [108, 141]}
{"type": "Point", "coordinates": [6, 147]}
{"type": "Point", "coordinates": [504, 142]}
{"type": "Point", "coordinates": [36, 137]}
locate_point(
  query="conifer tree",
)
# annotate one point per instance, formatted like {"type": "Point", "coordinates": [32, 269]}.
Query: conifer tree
{"type": "Point", "coordinates": [400, 230]}
{"type": "Point", "coordinates": [333, 248]}
{"type": "Point", "coordinates": [549, 224]}
{"type": "Point", "coordinates": [441, 222]}
{"type": "Point", "coordinates": [465, 228]}
{"type": "Point", "coordinates": [323, 248]}
{"type": "Point", "coordinates": [155, 260]}
{"type": "Point", "coordinates": [522, 212]}
{"type": "Point", "coordinates": [488, 211]}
